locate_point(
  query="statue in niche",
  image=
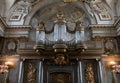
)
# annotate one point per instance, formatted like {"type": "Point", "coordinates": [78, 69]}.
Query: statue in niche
{"type": "Point", "coordinates": [31, 73]}
{"type": "Point", "coordinates": [89, 74]}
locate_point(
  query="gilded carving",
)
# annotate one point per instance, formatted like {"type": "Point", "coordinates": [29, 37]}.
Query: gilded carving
{"type": "Point", "coordinates": [60, 59]}
{"type": "Point", "coordinates": [89, 74]}
{"type": "Point", "coordinates": [60, 77]}
{"type": "Point", "coordinates": [31, 73]}
{"type": "Point", "coordinates": [60, 18]}
{"type": "Point", "coordinates": [109, 45]}
{"type": "Point", "coordinates": [97, 38]}
{"type": "Point", "coordinates": [79, 25]}
{"type": "Point", "coordinates": [41, 25]}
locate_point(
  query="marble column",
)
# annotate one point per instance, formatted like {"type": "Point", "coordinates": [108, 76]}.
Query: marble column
{"type": "Point", "coordinates": [100, 71]}
{"type": "Point", "coordinates": [40, 76]}
{"type": "Point", "coordinates": [20, 76]}
{"type": "Point", "coordinates": [80, 75]}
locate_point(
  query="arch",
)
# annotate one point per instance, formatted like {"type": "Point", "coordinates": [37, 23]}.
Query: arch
{"type": "Point", "coordinates": [45, 3]}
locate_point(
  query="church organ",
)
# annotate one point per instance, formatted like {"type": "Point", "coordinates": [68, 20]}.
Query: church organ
{"type": "Point", "coordinates": [58, 42]}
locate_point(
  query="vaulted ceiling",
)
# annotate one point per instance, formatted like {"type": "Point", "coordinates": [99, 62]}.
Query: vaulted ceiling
{"type": "Point", "coordinates": [98, 11]}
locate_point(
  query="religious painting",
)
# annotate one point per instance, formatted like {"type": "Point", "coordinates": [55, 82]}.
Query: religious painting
{"type": "Point", "coordinates": [60, 77]}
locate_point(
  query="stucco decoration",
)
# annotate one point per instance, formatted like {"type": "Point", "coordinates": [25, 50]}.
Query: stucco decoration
{"type": "Point", "coordinates": [100, 10]}
{"type": "Point", "coordinates": [19, 11]}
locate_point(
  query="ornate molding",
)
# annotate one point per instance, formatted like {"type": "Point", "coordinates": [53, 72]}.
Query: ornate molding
{"type": "Point", "coordinates": [3, 23]}
{"type": "Point", "coordinates": [3, 26]}
{"type": "Point", "coordinates": [103, 30]}
{"type": "Point", "coordinates": [101, 26]}
{"type": "Point", "coordinates": [117, 23]}
{"type": "Point", "coordinates": [17, 31]}
{"type": "Point", "coordinates": [117, 26]}
{"type": "Point", "coordinates": [13, 31]}
{"type": "Point", "coordinates": [18, 28]}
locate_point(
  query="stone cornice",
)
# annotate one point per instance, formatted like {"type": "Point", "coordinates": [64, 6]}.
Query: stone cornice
{"type": "Point", "coordinates": [88, 54]}
{"type": "Point", "coordinates": [100, 26]}
{"type": "Point", "coordinates": [17, 31]}
{"type": "Point", "coordinates": [103, 30]}
{"type": "Point", "coordinates": [18, 28]}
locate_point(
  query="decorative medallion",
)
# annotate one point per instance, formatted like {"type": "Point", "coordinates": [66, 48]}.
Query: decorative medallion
{"type": "Point", "coordinates": [109, 46]}
{"type": "Point", "coordinates": [11, 45]}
